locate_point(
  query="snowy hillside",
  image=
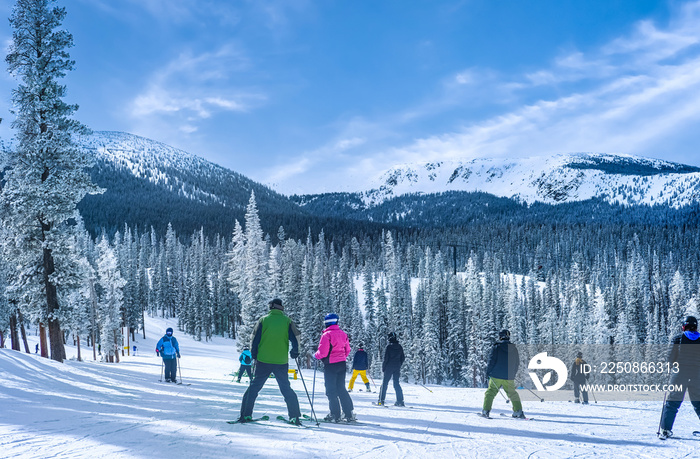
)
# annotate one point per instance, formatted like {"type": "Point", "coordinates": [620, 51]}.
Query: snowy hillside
{"type": "Point", "coordinates": [178, 171]}
{"type": "Point", "coordinates": [97, 410]}
{"type": "Point", "coordinates": [620, 179]}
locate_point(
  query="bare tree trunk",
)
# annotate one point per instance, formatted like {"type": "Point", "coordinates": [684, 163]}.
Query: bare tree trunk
{"type": "Point", "coordinates": [116, 349]}
{"type": "Point", "coordinates": [2, 340]}
{"type": "Point", "coordinates": [14, 336]}
{"type": "Point", "coordinates": [80, 359]}
{"type": "Point", "coordinates": [23, 331]}
{"type": "Point", "coordinates": [42, 340]}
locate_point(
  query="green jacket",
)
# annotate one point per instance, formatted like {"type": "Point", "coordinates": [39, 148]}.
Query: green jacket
{"type": "Point", "coordinates": [272, 336]}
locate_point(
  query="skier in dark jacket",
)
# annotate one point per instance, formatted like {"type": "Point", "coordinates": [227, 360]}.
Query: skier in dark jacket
{"type": "Point", "coordinates": [391, 366]}
{"type": "Point", "coordinates": [271, 338]}
{"type": "Point", "coordinates": [501, 370]}
{"type": "Point", "coordinates": [360, 363]}
{"type": "Point", "coordinates": [579, 378]}
{"type": "Point", "coordinates": [169, 350]}
{"type": "Point", "coordinates": [246, 359]}
{"type": "Point", "coordinates": [685, 356]}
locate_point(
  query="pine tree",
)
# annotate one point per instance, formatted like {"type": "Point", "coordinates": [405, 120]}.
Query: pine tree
{"type": "Point", "coordinates": [111, 283]}
{"type": "Point", "coordinates": [255, 288]}
{"type": "Point", "coordinates": [47, 173]}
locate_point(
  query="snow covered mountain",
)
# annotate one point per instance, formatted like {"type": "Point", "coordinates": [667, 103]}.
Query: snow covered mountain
{"type": "Point", "coordinates": [621, 179]}
{"type": "Point", "coordinates": [176, 170]}
{"type": "Point", "coordinates": [149, 183]}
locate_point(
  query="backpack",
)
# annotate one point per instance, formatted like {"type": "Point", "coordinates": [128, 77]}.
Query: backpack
{"type": "Point", "coordinates": [246, 359]}
{"type": "Point", "coordinates": [167, 347]}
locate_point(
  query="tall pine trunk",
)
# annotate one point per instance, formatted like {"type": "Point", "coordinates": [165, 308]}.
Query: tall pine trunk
{"type": "Point", "coordinates": [14, 336]}
{"type": "Point", "coordinates": [23, 331]}
{"type": "Point", "coordinates": [42, 340]}
{"type": "Point", "coordinates": [58, 351]}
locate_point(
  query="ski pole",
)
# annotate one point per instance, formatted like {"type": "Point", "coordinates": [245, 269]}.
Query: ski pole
{"type": "Point", "coordinates": [658, 431]}
{"type": "Point", "coordinates": [313, 387]}
{"type": "Point", "coordinates": [307, 392]}
{"type": "Point", "coordinates": [179, 370]}
{"type": "Point", "coordinates": [375, 384]}
{"type": "Point", "coordinates": [499, 391]}
{"type": "Point", "coordinates": [161, 370]}
{"type": "Point", "coordinates": [426, 388]}
{"type": "Point", "coordinates": [593, 394]}
{"type": "Point", "coordinates": [541, 399]}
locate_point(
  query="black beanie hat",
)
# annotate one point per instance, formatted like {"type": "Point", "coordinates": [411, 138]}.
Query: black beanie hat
{"type": "Point", "coordinates": [276, 304]}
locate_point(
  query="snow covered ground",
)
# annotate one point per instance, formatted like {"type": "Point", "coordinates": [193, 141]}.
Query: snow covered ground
{"type": "Point", "coordinates": [91, 409]}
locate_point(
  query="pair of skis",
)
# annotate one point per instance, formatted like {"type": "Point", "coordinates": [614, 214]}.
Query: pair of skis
{"type": "Point", "coordinates": [507, 417]}
{"type": "Point", "coordinates": [305, 418]}
{"type": "Point", "coordinates": [267, 418]}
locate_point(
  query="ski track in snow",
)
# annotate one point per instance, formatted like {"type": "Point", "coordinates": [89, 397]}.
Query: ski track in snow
{"type": "Point", "coordinates": [94, 410]}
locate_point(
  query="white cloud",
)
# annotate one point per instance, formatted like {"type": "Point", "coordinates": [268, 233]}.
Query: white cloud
{"type": "Point", "coordinates": [195, 87]}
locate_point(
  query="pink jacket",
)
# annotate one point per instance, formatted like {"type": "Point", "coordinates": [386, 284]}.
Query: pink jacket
{"type": "Point", "coordinates": [334, 344]}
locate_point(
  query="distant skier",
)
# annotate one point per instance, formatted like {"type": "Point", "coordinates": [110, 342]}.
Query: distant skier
{"type": "Point", "coordinates": [579, 378]}
{"type": "Point", "coordinates": [333, 351]}
{"type": "Point", "coordinates": [269, 349]}
{"type": "Point", "coordinates": [169, 350]}
{"type": "Point", "coordinates": [685, 351]}
{"type": "Point", "coordinates": [501, 370]}
{"type": "Point", "coordinates": [391, 366]}
{"type": "Point", "coordinates": [246, 359]}
{"type": "Point", "coordinates": [36, 349]}
{"type": "Point", "coordinates": [360, 363]}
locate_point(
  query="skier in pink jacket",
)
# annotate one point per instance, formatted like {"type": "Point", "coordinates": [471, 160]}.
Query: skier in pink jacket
{"type": "Point", "coordinates": [333, 350]}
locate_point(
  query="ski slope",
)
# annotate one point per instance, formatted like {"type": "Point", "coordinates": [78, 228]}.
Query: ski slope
{"type": "Point", "coordinates": [95, 410]}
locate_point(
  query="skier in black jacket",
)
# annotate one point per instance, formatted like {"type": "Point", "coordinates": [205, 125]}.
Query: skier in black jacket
{"type": "Point", "coordinates": [579, 378]}
{"type": "Point", "coordinates": [391, 366]}
{"type": "Point", "coordinates": [502, 368]}
{"type": "Point", "coordinates": [685, 357]}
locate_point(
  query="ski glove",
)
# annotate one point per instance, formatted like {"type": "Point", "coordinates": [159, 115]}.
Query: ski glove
{"type": "Point", "coordinates": [178, 355]}
{"type": "Point", "coordinates": [293, 354]}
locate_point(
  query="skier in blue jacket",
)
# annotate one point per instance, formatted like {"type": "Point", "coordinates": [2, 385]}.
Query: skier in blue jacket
{"type": "Point", "coordinates": [246, 360]}
{"type": "Point", "coordinates": [169, 350]}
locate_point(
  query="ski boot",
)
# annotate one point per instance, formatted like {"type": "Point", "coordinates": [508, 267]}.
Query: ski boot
{"type": "Point", "coordinates": [380, 403]}
{"type": "Point", "coordinates": [295, 421]}
{"type": "Point", "coordinates": [349, 390]}
{"type": "Point", "coordinates": [584, 403]}
{"type": "Point", "coordinates": [330, 418]}
{"type": "Point", "coordinates": [664, 434]}
{"type": "Point", "coordinates": [350, 417]}
{"type": "Point", "coordinates": [485, 414]}
{"type": "Point", "coordinates": [577, 401]}
{"type": "Point", "coordinates": [399, 403]}
{"type": "Point", "coordinates": [368, 388]}
{"type": "Point", "coordinates": [244, 419]}
{"type": "Point", "coordinates": [519, 414]}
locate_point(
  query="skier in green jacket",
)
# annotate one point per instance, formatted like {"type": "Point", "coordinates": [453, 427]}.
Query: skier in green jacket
{"type": "Point", "coordinates": [269, 348]}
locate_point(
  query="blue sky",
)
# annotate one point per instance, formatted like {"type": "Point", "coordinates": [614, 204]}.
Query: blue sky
{"type": "Point", "coordinates": [311, 96]}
